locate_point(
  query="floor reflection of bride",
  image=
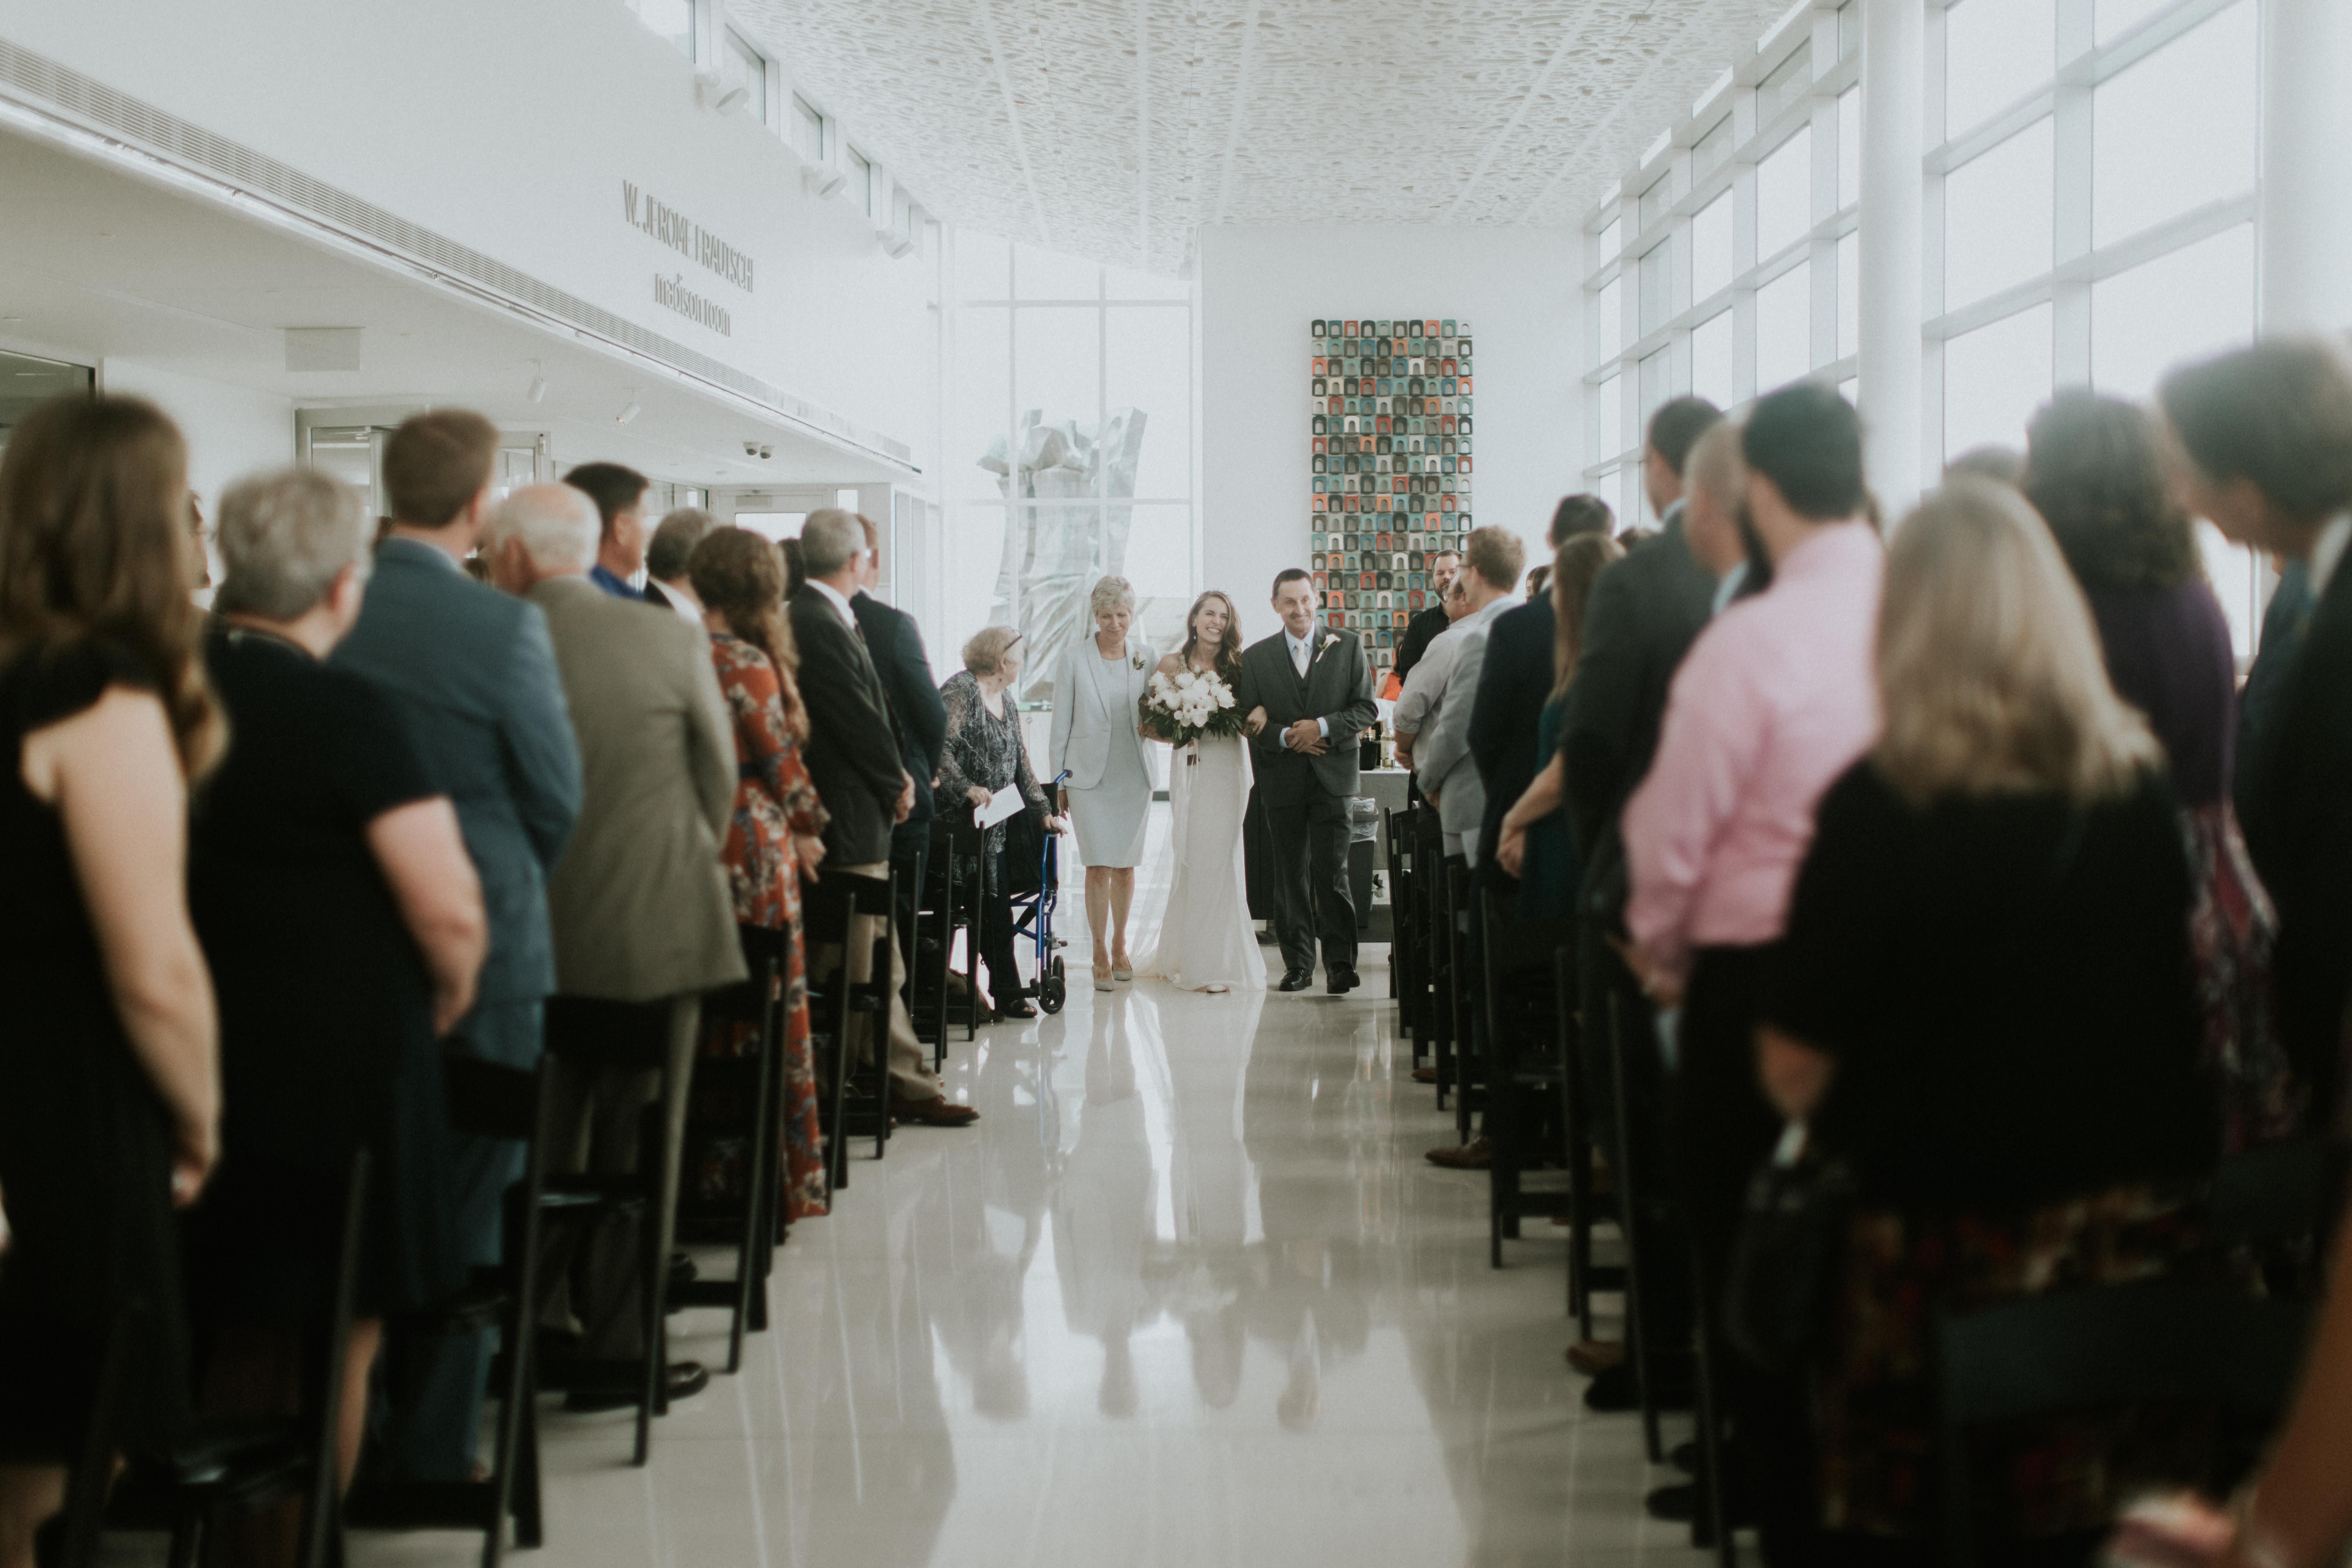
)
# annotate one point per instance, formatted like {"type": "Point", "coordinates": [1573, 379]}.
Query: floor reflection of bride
{"type": "Point", "coordinates": [1206, 942]}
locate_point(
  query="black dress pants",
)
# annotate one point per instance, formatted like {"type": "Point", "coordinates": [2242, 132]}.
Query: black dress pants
{"type": "Point", "coordinates": [1720, 1129]}
{"type": "Point", "coordinates": [997, 947]}
{"type": "Point", "coordinates": [1311, 895]}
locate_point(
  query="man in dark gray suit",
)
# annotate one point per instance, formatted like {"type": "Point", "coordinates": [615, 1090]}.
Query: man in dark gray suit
{"type": "Point", "coordinates": [1317, 690]}
{"type": "Point", "coordinates": [895, 644]}
{"type": "Point", "coordinates": [1645, 613]}
{"type": "Point", "coordinates": [854, 759]}
{"type": "Point", "coordinates": [473, 671]}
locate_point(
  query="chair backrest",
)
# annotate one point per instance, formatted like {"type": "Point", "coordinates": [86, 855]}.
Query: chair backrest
{"type": "Point", "coordinates": [765, 957]}
{"type": "Point", "coordinates": [633, 1035]}
{"type": "Point", "coordinates": [2281, 1193]}
{"type": "Point", "coordinates": [487, 1099]}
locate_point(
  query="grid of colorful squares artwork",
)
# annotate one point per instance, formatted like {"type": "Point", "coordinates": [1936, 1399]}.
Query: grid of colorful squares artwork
{"type": "Point", "coordinates": [1392, 434]}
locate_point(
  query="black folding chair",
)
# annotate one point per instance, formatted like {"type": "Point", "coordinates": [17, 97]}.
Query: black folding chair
{"type": "Point", "coordinates": [752, 1084]}
{"type": "Point", "coordinates": [1584, 1277]}
{"type": "Point", "coordinates": [228, 1466]}
{"type": "Point", "coordinates": [1525, 1065]}
{"type": "Point", "coordinates": [2102, 1347]}
{"type": "Point", "coordinates": [829, 908]}
{"type": "Point", "coordinates": [1407, 962]}
{"type": "Point", "coordinates": [1454, 937]}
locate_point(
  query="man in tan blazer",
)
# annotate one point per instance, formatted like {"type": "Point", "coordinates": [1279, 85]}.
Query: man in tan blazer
{"type": "Point", "coordinates": [639, 903]}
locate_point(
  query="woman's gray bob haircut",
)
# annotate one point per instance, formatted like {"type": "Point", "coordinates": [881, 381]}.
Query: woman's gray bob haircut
{"type": "Point", "coordinates": [284, 538]}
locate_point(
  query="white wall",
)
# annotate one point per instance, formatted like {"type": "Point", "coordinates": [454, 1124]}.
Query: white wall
{"type": "Point", "coordinates": [1260, 287]}
{"type": "Point", "coordinates": [509, 128]}
{"type": "Point", "coordinates": [231, 431]}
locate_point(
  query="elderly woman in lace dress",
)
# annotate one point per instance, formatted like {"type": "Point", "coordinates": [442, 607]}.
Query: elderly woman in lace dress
{"type": "Point", "coordinates": [984, 754]}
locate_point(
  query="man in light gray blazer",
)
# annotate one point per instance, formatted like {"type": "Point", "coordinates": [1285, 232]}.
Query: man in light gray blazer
{"type": "Point", "coordinates": [473, 673]}
{"type": "Point", "coordinates": [641, 907]}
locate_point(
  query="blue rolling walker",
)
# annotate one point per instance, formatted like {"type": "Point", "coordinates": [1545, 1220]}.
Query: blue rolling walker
{"type": "Point", "coordinates": [1033, 917]}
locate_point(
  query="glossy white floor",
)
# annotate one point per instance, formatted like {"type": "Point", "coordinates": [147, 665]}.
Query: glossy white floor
{"type": "Point", "coordinates": [1188, 1295]}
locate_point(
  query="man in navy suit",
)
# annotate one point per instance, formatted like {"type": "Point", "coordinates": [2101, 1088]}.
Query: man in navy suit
{"type": "Point", "coordinates": [473, 671]}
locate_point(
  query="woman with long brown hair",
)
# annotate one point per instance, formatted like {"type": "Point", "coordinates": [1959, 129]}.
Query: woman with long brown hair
{"type": "Point", "coordinates": [1205, 941]}
{"type": "Point", "coordinates": [110, 1087]}
{"type": "Point", "coordinates": [1535, 845]}
{"type": "Point", "coordinates": [773, 838]}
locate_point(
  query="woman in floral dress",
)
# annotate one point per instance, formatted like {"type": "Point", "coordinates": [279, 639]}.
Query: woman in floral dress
{"type": "Point", "coordinates": [771, 839]}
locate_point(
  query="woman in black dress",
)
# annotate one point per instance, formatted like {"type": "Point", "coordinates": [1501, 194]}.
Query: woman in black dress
{"type": "Point", "coordinates": [110, 1094]}
{"type": "Point", "coordinates": [1984, 1005]}
{"type": "Point", "coordinates": [344, 926]}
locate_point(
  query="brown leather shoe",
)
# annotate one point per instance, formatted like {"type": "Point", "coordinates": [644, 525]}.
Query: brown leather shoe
{"type": "Point", "coordinates": [1425, 1075]}
{"type": "Point", "coordinates": [1593, 1357]}
{"type": "Point", "coordinates": [1474, 1156]}
{"type": "Point", "coordinates": [936, 1112]}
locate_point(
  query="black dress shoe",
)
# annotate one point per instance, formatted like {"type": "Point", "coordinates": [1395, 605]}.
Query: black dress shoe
{"type": "Point", "coordinates": [1340, 978]}
{"type": "Point", "coordinates": [1297, 979]}
{"type": "Point", "coordinates": [614, 1386]}
{"type": "Point", "coordinates": [1617, 1389]}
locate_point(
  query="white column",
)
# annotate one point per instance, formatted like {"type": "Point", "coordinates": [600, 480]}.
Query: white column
{"type": "Point", "coordinates": [2305, 232]}
{"type": "Point", "coordinates": [1891, 150]}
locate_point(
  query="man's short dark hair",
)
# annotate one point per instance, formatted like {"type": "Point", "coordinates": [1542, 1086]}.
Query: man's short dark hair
{"type": "Point", "coordinates": [1807, 440]}
{"type": "Point", "coordinates": [436, 463]}
{"type": "Point", "coordinates": [1437, 555]}
{"type": "Point", "coordinates": [2278, 415]}
{"type": "Point", "coordinates": [1582, 514]}
{"type": "Point", "coordinates": [1676, 427]}
{"type": "Point", "coordinates": [613, 488]}
{"type": "Point", "coordinates": [1288, 574]}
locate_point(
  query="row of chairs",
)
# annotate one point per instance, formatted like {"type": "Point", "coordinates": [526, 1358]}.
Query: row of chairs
{"type": "Point", "coordinates": [1498, 1008]}
{"type": "Point", "coordinates": [233, 1466]}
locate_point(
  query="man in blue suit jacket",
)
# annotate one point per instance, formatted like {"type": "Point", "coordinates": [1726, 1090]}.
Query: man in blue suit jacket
{"type": "Point", "coordinates": [474, 673]}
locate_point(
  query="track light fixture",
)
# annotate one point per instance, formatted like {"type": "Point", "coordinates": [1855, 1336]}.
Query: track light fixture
{"type": "Point", "coordinates": [538, 383]}
{"type": "Point", "coordinates": [632, 411]}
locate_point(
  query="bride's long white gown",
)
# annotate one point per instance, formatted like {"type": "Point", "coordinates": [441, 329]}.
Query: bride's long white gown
{"type": "Point", "coordinates": [1205, 935]}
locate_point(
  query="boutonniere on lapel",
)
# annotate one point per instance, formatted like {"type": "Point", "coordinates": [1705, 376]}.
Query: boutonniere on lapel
{"type": "Point", "coordinates": [1137, 661]}
{"type": "Point", "coordinates": [1328, 639]}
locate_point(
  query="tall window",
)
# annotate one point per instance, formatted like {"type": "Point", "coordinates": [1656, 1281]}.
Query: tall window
{"type": "Point", "coordinates": [742, 66]}
{"type": "Point", "coordinates": [861, 180]}
{"type": "Point", "coordinates": [2090, 199]}
{"type": "Point", "coordinates": [1070, 445]}
{"type": "Point", "coordinates": [806, 130]}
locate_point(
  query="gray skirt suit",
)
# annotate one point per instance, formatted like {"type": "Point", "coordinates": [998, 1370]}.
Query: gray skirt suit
{"type": "Point", "coordinates": [1094, 737]}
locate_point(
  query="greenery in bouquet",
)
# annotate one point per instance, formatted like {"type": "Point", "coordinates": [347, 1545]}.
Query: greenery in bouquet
{"type": "Point", "coordinates": [1190, 704]}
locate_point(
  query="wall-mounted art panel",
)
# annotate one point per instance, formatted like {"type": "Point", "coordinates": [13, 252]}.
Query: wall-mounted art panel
{"type": "Point", "coordinates": [1390, 427]}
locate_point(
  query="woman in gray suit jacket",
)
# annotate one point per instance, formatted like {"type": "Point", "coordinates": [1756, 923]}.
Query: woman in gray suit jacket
{"type": "Point", "coordinates": [1108, 796]}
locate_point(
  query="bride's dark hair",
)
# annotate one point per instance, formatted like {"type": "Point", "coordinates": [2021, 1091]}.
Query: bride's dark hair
{"type": "Point", "coordinates": [1228, 662]}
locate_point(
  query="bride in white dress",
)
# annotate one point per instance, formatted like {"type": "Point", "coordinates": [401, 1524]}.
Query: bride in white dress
{"type": "Point", "coordinates": [1206, 942]}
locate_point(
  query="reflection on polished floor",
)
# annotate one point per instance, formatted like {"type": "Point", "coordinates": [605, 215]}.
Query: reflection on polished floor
{"type": "Point", "coordinates": [1187, 1295]}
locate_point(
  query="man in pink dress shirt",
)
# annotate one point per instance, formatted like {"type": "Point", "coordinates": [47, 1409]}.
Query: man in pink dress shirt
{"type": "Point", "coordinates": [1776, 699]}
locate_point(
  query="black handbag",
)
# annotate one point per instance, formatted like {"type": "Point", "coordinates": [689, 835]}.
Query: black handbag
{"type": "Point", "coordinates": [1785, 1258]}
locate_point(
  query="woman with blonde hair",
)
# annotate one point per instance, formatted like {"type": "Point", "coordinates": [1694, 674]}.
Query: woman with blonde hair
{"type": "Point", "coordinates": [1535, 845]}
{"type": "Point", "coordinates": [773, 839]}
{"type": "Point", "coordinates": [110, 1081]}
{"type": "Point", "coordinates": [1983, 1006]}
{"type": "Point", "coordinates": [1098, 682]}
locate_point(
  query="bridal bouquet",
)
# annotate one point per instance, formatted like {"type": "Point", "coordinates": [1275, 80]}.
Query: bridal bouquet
{"type": "Point", "coordinates": [1183, 707]}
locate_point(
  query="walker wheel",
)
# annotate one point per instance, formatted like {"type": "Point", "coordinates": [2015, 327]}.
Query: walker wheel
{"type": "Point", "coordinates": [1053, 989]}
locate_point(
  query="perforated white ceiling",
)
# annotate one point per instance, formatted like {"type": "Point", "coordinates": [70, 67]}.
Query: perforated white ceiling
{"type": "Point", "coordinates": [1108, 127]}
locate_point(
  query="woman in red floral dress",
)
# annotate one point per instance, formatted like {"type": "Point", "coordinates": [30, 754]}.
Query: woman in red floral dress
{"type": "Point", "coordinates": [772, 836]}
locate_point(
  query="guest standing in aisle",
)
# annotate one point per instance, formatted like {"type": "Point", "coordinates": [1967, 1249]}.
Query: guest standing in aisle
{"type": "Point", "coordinates": [1774, 701]}
{"type": "Point", "coordinates": [1427, 626]}
{"type": "Point", "coordinates": [642, 913]}
{"type": "Point", "coordinates": [2094, 473]}
{"type": "Point", "coordinates": [344, 928]}
{"type": "Point", "coordinates": [855, 758]}
{"type": "Point", "coordinates": [2265, 438]}
{"type": "Point", "coordinates": [1315, 687]}
{"type": "Point", "coordinates": [1983, 1005]}
{"type": "Point", "coordinates": [472, 672]}
{"type": "Point", "coordinates": [109, 1088]}
{"type": "Point", "coordinates": [776, 835]}
{"type": "Point", "coordinates": [666, 583]}
{"type": "Point", "coordinates": [895, 643]}
{"type": "Point", "coordinates": [1097, 737]}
